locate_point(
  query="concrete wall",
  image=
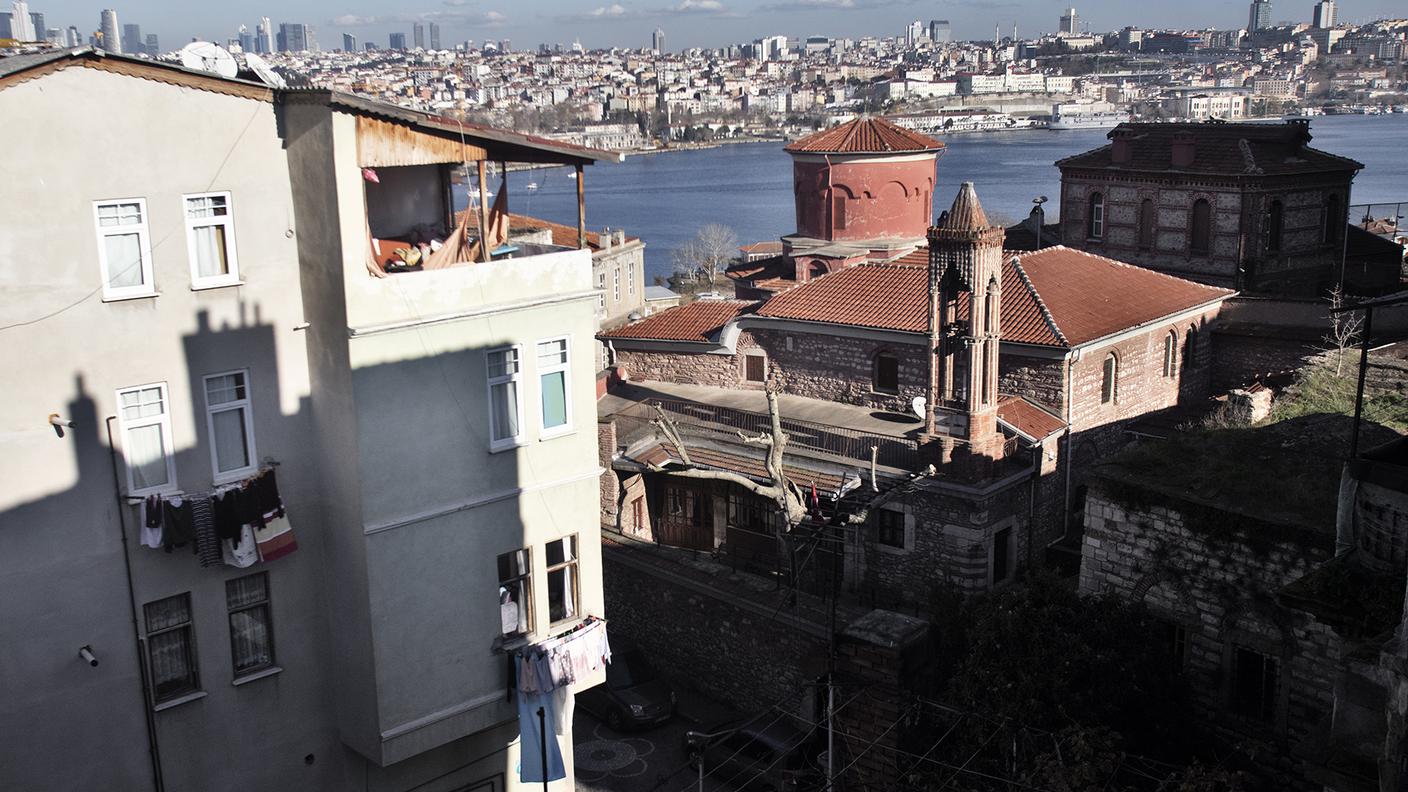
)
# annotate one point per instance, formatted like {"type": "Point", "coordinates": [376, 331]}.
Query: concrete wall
{"type": "Point", "coordinates": [61, 580]}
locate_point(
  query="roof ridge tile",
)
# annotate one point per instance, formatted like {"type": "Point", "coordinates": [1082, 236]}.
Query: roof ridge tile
{"type": "Point", "coordinates": [1036, 296]}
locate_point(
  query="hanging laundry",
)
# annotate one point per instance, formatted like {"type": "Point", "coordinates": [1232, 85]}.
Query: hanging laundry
{"type": "Point", "coordinates": [231, 510]}
{"type": "Point", "coordinates": [152, 512]}
{"type": "Point", "coordinates": [178, 524]}
{"type": "Point", "coordinates": [207, 541]}
{"type": "Point", "coordinates": [535, 740]}
{"type": "Point", "coordinates": [264, 497]}
{"type": "Point", "coordinates": [275, 539]}
{"type": "Point", "coordinates": [242, 552]}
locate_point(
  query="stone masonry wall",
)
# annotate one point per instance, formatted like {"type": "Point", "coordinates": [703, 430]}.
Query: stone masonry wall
{"type": "Point", "coordinates": [719, 371]}
{"type": "Point", "coordinates": [1043, 380]}
{"type": "Point", "coordinates": [1218, 582]}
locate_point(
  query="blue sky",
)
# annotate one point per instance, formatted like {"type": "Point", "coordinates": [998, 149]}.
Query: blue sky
{"type": "Point", "coordinates": [605, 23]}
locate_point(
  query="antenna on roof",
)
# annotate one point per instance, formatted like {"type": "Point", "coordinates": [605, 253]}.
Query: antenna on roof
{"type": "Point", "coordinates": [207, 57]}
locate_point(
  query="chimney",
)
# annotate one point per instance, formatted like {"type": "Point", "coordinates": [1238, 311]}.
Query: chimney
{"type": "Point", "coordinates": [620, 237]}
{"type": "Point", "coordinates": [604, 239]}
{"type": "Point", "coordinates": [1183, 149]}
{"type": "Point", "coordinates": [1122, 146]}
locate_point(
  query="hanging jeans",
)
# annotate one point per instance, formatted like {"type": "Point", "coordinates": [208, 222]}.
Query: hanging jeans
{"type": "Point", "coordinates": [531, 736]}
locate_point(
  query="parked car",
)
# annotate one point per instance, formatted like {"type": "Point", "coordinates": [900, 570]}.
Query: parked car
{"type": "Point", "coordinates": [633, 695]}
{"type": "Point", "coordinates": [764, 751]}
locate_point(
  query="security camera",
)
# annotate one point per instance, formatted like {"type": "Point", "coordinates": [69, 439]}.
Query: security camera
{"type": "Point", "coordinates": [87, 654]}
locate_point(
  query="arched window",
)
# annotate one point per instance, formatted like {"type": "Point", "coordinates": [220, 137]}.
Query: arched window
{"type": "Point", "coordinates": [1190, 346]}
{"type": "Point", "coordinates": [1170, 354]}
{"type": "Point", "coordinates": [1334, 219]}
{"type": "Point", "coordinates": [1200, 232]}
{"type": "Point", "coordinates": [1146, 224]}
{"type": "Point", "coordinates": [887, 373]}
{"type": "Point", "coordinates": [816, 270]}
{"type": "Point", "coordinates": [990, 312]}
{"type": "Point", "coordinates": [1107, 382]}
{"type": "Point", "coordinates": [1275, 223]}
{"type": "Point", "coordinates": [1095, 220]}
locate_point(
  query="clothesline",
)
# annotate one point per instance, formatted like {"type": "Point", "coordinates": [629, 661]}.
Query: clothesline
{"type": "Point", "coordinates": [548, 643]}
{"type": "Point", "coordinates": [133, 500]}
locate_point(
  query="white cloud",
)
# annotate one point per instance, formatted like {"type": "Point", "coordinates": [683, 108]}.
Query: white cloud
{"type": "Point", "coordinates": [483, 19]}
{"type": "Point", "coordinates": [698, 7]}
{"type": "Point", "coordinates": [613, 10]}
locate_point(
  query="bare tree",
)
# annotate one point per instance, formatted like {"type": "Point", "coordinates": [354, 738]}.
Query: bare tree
{"type": "Point", "coordinates": [685, 260]}
{"type": "Point", "coordinates": [1345, 327]}
{"type": "Point", "coordinates": [708, 253]}
{"type": "Point", "coordinates": [789, 497]}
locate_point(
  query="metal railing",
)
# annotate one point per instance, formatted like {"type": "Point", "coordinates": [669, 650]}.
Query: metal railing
{"type": "Point", "coordinates": [1383, 219]}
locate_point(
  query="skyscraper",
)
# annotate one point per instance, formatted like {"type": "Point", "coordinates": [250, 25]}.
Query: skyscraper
{"type": "Point", "coordinates": [74, 39]}
{"type": "Point", "coordinates": [1324, 15]}
{"type": "Point", "coordinates": [418, 35]}
{"type": "Point", "coordinates": [435, 35]}
{"type": "Point", "coordinates": [1070, 26]}
{"type": "Point", "coordinates": [264, 36]}
{"type": "Point", "coordinates": [132, 38]}
{"type": "Point", "coordinates": [21, 26]}
{"type": "Point", "coordinates": [293, 37]}
{"type": "Point", "coordinates": [152, 47]}
{"type": "Point", "coordinates": [657, 41]}
{"type": "Point", "coordinates": [939, 31]}
{"type": "Point", "coordinates": [1260, 17]}
{"type": "Point", "coordinates": [349, 42]}
{"type": "Point", "coordinates": [912, 32]}
{"type": "Point", "coordinates": [505, 46]}
{"type": "Point", "coordinates": [36, 24]}
{"type": "Point", "coordinates": [112, 40]}
{"type": "Point", "coordinates": [397, 41]}
{"type": "Point", "coordinates": [245, 38]}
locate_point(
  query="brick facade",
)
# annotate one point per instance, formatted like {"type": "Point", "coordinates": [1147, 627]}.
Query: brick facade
{"type": "Point", "coordinates": [1215, 576]}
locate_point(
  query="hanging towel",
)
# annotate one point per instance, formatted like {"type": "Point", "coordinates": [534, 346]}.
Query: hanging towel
{"type": "Point", "coordinates": [533, 739]}
{"type": "Point", "coordinates": [564, 701]}
{"type": "Point", "coordinates": [152, 512]}
{"type": "Point", "coordinates": [178, 525]}
{"type": "Point", "coordinates": [275, 539]}
{"type": "Point", "coordinates": [207, 541]}
{"type": "Point", "coordinates": [241, 552]}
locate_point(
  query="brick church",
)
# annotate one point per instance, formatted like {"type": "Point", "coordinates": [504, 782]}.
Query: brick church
{"type": "Point", "coordinates": [897, 344]}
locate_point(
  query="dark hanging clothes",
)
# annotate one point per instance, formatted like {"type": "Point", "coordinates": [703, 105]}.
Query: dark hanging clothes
{"type": "Point", "coordinates": [178, 524]}
{"type": "Point", "coordinates": [230, 512]}
{"type": "Point", "coordinates": [207, 542]}
{"type": "Point", "coordinates": [264, 498]}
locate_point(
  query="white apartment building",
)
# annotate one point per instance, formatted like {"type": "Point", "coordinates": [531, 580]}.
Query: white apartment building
{"type": "Point", "coordinates": [214, 312]}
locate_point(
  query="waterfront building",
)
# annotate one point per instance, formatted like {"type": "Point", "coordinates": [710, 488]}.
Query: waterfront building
{"type": "Point", "coordinates": [109, 28]}
{"type": "Point", "coordinates": [253, 335]}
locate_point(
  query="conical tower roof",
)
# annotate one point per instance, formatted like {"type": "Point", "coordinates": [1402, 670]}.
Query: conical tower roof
{"type": "Point", "coordinates": [865, 135]}
{"type": "Point", "coordinates": [966, 214]}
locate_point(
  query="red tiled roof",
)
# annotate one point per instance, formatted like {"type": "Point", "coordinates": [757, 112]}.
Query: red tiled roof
{"type": "Point", "coordinates": [773, 266]}
{"type": "Point", "coordinates": [562, 235]}
{"type": "Point", "coordinates": [762, 247]}
{"type": "Point", "coordinates": [1055, 297]}
{"type": "Point", "coordinates": [864, 135]}
{"type": "Point", "coordinates": [967, 213]}
{"type": "Point", "coordinates": [1223, 149]}
{"type": "Point", "coordinates": [699, 321]}
{"type": "Point", "coordinates": [1027, 418]}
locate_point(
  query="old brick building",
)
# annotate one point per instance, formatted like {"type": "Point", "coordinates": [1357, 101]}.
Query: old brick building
{"type": "Point", "coordinates": [1076, 346]}
{"type": "Point", "coordinates": [1246, 206]}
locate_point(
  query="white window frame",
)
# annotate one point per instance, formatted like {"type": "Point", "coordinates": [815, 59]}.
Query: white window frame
{"type": "Point", "coordinates": [631, 281]}
{"type": "Point", "coordinates": [147, 288]}
{"type": "Point", "coordinates": [601, 290]}
{"type": "Point", "coordinates": [616, 284]}
{"type": "Point", "coordinates": [545, 432]}
{"type": "Point", "coordinates": [490, 381]}
{"type": "Point", "coordinates": [231, 278]}
{"type": "Point", "coordinates": [168, 446]}
{"type": "Point", "coordinates": [219, 476]}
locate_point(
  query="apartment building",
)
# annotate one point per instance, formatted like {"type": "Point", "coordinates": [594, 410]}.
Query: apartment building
{"type": "Point", "coordinates": [217, 321]}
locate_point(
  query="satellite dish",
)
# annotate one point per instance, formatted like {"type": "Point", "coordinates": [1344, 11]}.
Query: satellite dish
{"type": "Point", "coordinates": [918, 405]}
{"type": "Point", "coordinates": [207, 57]}
{"type": "Point", "coordinates": [263, 71]}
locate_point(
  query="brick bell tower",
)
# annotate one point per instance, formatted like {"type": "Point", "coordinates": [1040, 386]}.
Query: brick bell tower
{"type": "Point", "coordinates": [965, 266]}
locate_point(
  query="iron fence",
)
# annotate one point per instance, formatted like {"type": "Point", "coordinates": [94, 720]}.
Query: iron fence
{"type": "Point", "coordinates": [1382, 219]}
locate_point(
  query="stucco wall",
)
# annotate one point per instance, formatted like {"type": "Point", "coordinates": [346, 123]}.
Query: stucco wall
{"type": "Point", "coordinates": [885, 197]}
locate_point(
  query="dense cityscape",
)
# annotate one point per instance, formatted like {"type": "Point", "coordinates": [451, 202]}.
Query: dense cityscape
{"type": "Point", "coordinates": [895, 412]}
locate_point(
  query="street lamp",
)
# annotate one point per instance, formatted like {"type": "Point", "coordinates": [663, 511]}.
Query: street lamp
{"type": "Point", "coordinates": [1040, 214]}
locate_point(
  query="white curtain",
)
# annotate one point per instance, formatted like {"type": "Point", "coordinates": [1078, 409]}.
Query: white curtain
{"type": "Point", "coordinates": [124, 254]}
{"type": "Point", "coordinates": [209, 244]}
{"type": "Point", "coordinates": [249, 638]}
{"type": "Point", "coordinates": [505, 406]}
{"type": "Point", "coordinates": [146, 456]}
{"type": "Point", "coordinates": [231, 452]}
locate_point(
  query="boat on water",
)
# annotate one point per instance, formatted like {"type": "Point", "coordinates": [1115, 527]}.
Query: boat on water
{"type": "Point", "coordinates": [1087, 120]}
{"type": "Point", "coordinates": [531, 186]}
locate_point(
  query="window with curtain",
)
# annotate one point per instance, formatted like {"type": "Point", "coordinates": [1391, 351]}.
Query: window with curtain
{"type": "Point", "coordinates": [146, 438]}
{"type": "Point", "coordinates": [505, 397]}
{"type": "Point", "coordinates": [562, 579]}
{"type": "Point", "coordinates": [1200, 232]}
{"type": "Point", "coordinates": [210, 239]}
{"type": "Point", "coordinates": [1107, 380]}
{"type": "Point", "coordinates": [1146, 224]}
{"type": "Point", "coordinates": [1095, 221]}
{"type": "Point", "coordinates": [553, 378]}
{"type": "Point", "coordinates": [251, 623]}
{"type": "Point", "coordinates": [515, 594]}
{"type": "Point", "coordinates": [171, 649]}
{"type": "Point", "coordinates": [231, 426]}
{"type": "Point", "coordinates": [124, 249]}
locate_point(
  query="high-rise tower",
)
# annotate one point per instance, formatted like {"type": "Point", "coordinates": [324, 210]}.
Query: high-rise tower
{"type": "Point", "coordinates": [21, 25]}
{"type": "Point", "coordinates": [1324, 15]}
{"type": "Point", "coordinates": [112, 37]}
{"type": "Point", "coordinates": [1260, 16]}
{"type": "Point", "coordinates": [657, 41]}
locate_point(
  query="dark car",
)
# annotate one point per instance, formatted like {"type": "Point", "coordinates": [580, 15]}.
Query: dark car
{"type": "Point", "coordinates": [633, 696]}
{"type": "Point", "coordinates": [764, 751]}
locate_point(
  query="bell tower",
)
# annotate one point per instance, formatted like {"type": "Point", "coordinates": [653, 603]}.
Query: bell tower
{"type": "Point", "coordinates": [965, 267]}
